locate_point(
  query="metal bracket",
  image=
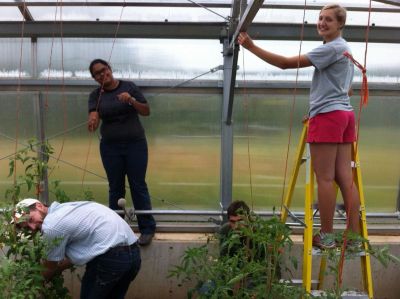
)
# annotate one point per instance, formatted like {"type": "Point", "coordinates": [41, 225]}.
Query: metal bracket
{"type": "Point", "coordinates": [294, 217]}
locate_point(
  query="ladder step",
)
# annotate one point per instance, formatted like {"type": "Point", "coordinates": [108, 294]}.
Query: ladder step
{"type": "Point", "coordinates": [319, 252]}
{"type": "Point", "coordinates": [338, 207]}
{"type": "Point", "coordinates": [354, 295]}
{"type": "Point", "coordinates": [345, 295]}
{"type": "Point", "coordinates": [334, 218]}
{"type": "Point", "coordinates": [298, 281]}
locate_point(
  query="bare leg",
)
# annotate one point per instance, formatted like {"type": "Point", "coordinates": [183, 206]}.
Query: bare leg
{"type": "Point", "coordinates": [344, 178]}
{"type": "Point", "coordinates": [323, 157]}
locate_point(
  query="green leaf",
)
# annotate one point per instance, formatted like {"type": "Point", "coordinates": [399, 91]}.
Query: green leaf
{"type": "Point", "coordinates": [11, 165]}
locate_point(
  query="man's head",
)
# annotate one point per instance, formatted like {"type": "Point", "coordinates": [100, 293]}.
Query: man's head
{"type": "Point", "coordinates": [236, 210]}
{"type": "Point", "coordinates": [29, 213]}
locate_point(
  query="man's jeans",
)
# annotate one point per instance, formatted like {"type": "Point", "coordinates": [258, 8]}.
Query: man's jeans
{"type": "Point", "coordinates": [108, 276]}
{"type": "Point", "coordinates": [128, 159]}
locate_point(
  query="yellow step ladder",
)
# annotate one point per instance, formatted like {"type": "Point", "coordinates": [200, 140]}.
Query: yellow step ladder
{"type": "Point", "coordinates": [308, 216]}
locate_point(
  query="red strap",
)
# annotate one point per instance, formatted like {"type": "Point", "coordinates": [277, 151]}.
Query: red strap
{"type": "Point", "coordinates": [364, 86]}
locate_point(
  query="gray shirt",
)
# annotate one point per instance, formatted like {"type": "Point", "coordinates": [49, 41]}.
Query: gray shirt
{"type": "Point", "coordinates": [84, 230]}
{"type": "Point", "coordinates": [332, 78]}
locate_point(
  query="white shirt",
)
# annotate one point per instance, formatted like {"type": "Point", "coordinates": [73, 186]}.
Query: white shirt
{"type": "Point", "coordinates": [83, 230]}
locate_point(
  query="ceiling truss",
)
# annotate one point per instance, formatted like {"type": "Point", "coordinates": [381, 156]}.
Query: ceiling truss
{"type": "Point", "coordinates": [184, 30]}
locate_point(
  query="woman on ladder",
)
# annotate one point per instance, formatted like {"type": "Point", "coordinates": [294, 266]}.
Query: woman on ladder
{"type": "Point", "coordinates": [331, 117]}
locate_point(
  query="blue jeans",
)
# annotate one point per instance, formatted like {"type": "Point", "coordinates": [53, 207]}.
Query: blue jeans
{"type": "Point", "coordinates": [128, 159]}
{"type": "Point", "coordinates": [108, 275]}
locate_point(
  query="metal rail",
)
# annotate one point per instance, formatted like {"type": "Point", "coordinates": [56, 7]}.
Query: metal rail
{"type": "Point", "coordinates": [185, 30]}
{"type": "Point", "coordinates": [209, 4]}
{"type": "Point", "coordinates": [394, 215]}
{"type": "Point", "coordinates": [39, 84]}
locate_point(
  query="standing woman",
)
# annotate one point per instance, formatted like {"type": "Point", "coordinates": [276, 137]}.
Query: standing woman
{"type": "Point", "coordinates": [331, 118]}
{"type": "Point", "coordinates": [123, 145]}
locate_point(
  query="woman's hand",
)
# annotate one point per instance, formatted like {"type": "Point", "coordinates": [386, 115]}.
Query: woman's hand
{"type": "Point", "coordinates": [277, 60]}
{"type": "Point", "coordinates": [125, 97]}
{"type": "Point", "coordinates": [93, 121]}
{"type": "Point", "coordinates": [245, 40]}
{"type": "Point", "coordinates": [141, 108]}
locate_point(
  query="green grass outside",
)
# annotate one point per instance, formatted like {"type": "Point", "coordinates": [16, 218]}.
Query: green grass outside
{"type": "Point", "coordinates": [183, 172]}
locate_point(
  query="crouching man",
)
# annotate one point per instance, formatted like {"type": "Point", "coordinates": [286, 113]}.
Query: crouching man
{"type": "Point", "coordinates": [85, 233]}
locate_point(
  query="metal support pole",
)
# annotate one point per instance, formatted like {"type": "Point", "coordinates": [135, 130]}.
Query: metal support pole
{"type": "Point", "coordinates": [230, 65]}
{"type": "Point", "coordinates": [231, 53]}
{"type": "Point", "coordinates": [41, 137]}
{"type": "Point", "coordinates": [40, 128]}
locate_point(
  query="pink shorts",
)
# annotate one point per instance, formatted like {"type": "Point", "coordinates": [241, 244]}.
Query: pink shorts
{"type": "Point", "coordinates": [332, 127]}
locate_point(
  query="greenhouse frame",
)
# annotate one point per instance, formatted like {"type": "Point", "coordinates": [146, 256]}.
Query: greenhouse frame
{"type": "Point", "coordinates": [224, 125]}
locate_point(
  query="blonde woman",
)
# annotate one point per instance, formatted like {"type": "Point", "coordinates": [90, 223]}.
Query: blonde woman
{"type": "Point", "coordinates": [331, 117]}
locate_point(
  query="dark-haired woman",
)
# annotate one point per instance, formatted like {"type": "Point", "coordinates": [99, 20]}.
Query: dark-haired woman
{"type": "Point", "coordinates": [331, 125]}
{"type": "Point", "coordinates": [123, 145]}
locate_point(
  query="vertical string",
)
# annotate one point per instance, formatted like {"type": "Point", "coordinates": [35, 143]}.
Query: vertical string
{"type": "Point", "coordinates": [63, 99]}
{"type": "Point", "coordinates": [291, 117]}
{"type": "Point", "coordinates": [363, 101]}
{"type": "Point", "coordinates": [18, 100]}
{"type": "Point", "coordinates": [100, 94]}
{"type": "Point", "coordinates": [246, 108]}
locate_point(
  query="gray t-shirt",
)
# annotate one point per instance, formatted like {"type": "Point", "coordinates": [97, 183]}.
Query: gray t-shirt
{"type": "Point", "coordinates": [84, 230]}
{"type": "Point", "coordinates": [332, 78]}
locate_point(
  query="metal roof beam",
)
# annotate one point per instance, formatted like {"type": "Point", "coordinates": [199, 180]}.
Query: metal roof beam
{"type": "Point", "coordinates": [247, 18]}
{"type": "Point", "coordinates": [186, 30]}
{"type": "Point", "coordinates": [391, 2]}
{"type": "Point", "coordinates": [106, 29]}
{"type": "Point", "coordinates": [10, 84]}
{"type": "Point", "coordinates": [377, 34]}
{"type": "Point", "coordinates": [24, 10]}
{"type": "Point", "coordinates": [208, 4]}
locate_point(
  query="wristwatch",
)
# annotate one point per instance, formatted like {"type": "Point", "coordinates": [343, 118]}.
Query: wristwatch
{"type": "Point", "coordinates": [131, 101]}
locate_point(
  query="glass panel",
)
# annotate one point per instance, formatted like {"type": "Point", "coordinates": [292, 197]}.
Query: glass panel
{"type": "Point", "coordinates": [184, 59]}
{"type": "Point", "coordinates": [107, 12]}
{"type": "Point", "coordinates": [18, 124]}
{"type": "Point", "coordinates": [131, 58]}
{"type": "Point", "coordinates": [182, 133]}
{"type": "Point", "coordinates": [379, 143]}
{"type": "Point", "coordinates": [262, 129]}
{"type": "Point", "coordinates": [200, 14]}
{"type": "Point", "coordinates": [132, 14]}
{"type": "Point", "coordinates": [383, 62]}
{"type": "Point", "coordinates": [261, 134]}
{"type": "Point", "coordinates": [295, 16]}
{"type": "Point", "coordinates": [10, 14]}
{"type": "Point", "coordinates": [15, 58]}
{"type": "Point", "coordinates": [176, 14]}
{"type": "Point", "coordinates": [77, 13]}
{"type": "Point", "coordinates": [345, 3]}
{"type": "Point", "coordinates": [76, 161]}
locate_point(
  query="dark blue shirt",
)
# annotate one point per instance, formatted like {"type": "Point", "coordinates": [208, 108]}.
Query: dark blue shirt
{"type": "Point", "coordinates": [120, 121]}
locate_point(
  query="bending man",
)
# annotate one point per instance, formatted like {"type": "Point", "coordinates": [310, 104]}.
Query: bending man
{"type": "Point", "coordinates": [85, 233]}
